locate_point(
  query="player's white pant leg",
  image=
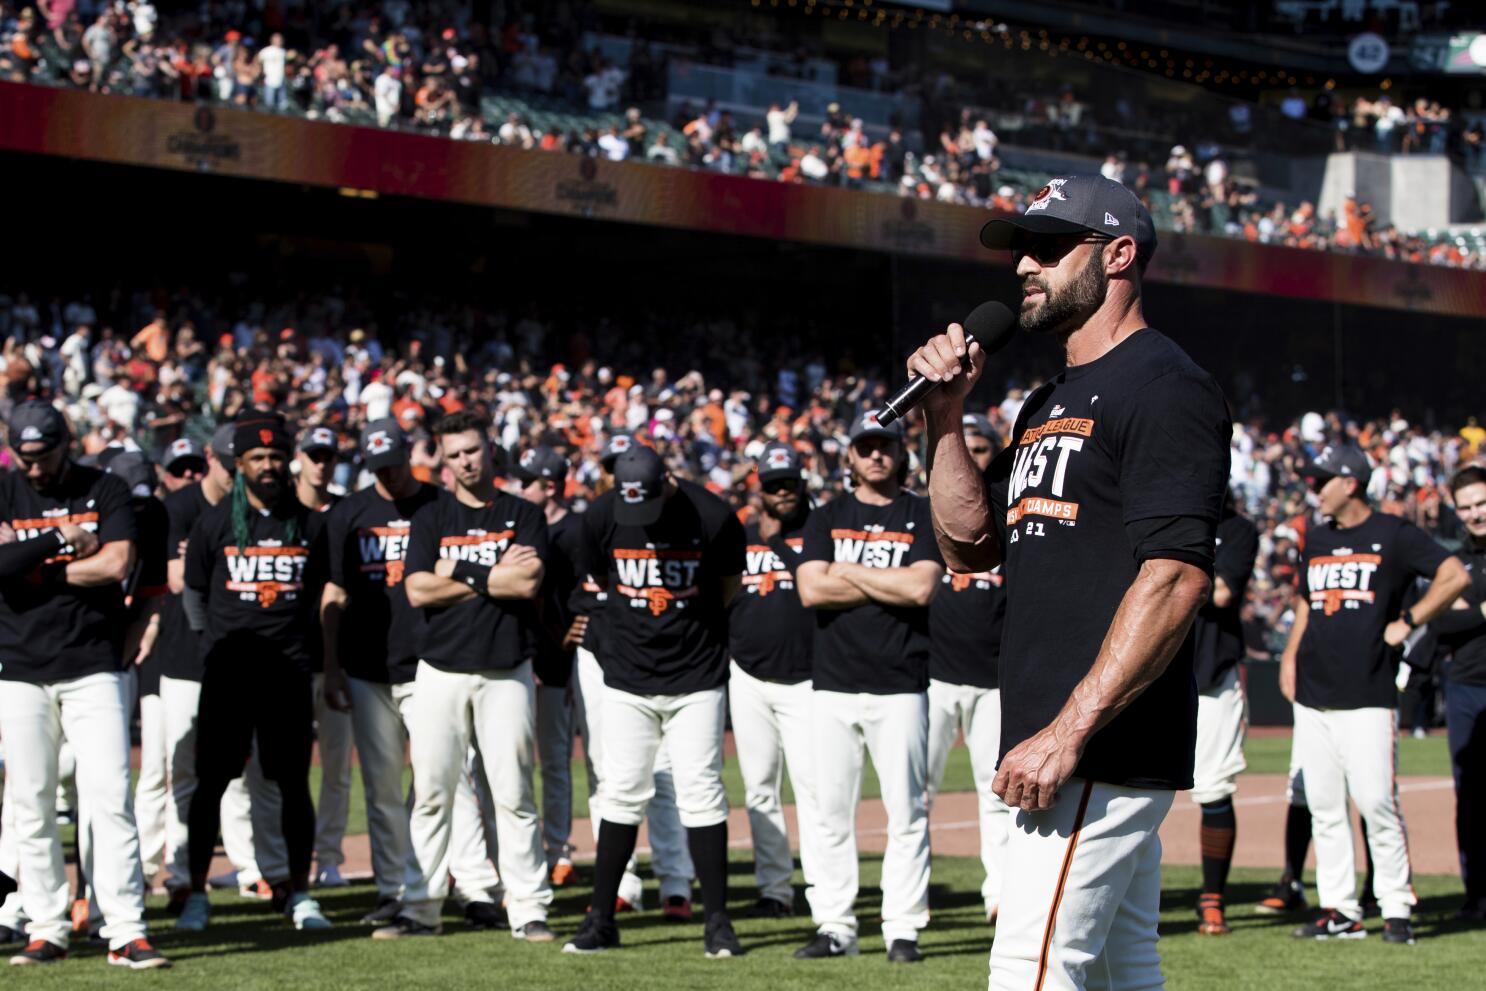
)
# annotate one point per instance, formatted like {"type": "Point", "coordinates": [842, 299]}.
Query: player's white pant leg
{"type": "Point", "coordinates": [670, 853]}
{"type": "Point", "coordinates": [505, 728]}
{"type": "Point", "coordinates": [1222, 722]}
{"type": "Point", "coordinates": [555, 750]}
{"type": "Point", "coordinates": [793, 705]}
{"type": "Point", "coordinates": [632, 736]}
{"type": "Point", "coordinates": [1372, 782]}
{"type": "Point", "coordinates": [1081, 892]}
{"type": "Point", "coordinates": [237, 831]}
{"type": "Point", "coordinates": [152, 788]}
{"type": "Point", "coordinates": [333, 736]}
{"type": "Point", "coordinates": [474, 841]}
{"type": "Point", "coordinates": [95, 714]}
{"type": "Point", "coordinates": [693, 724]}
{"type": "Point", "coordinates": [12, 916]}
{"type": "Point", "coordinates": [266, 818]}
{"type": "Point", "coordinates": [439, 728]}
{"type": "Point", "coordinates": [896, 729]}
{"type": "Point", "coordinates": [179, 702]}
{"type": "Point", "coordinates": [836, 734]}
{"type": "Point", "coordinates": [982, 722]}
{"type": "Point", "coordinates": [380, 738]}
{"type": "Point", "coordinates": [944, 724]}
{"type": "Point", "coordinates": [760, 741]}
{"type": "Point", "coordinates": [30, 723]}
{"type": "Point", "coordinates": [1322, 748]}
{"type": "Point", "coordinates": [1295, 779]}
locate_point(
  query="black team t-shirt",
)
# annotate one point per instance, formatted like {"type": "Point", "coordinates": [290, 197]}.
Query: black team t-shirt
{"type": "Point", "coordinates": [177, 645]}
{"type": "Point", "coordinates": [1354, 581]}
{"type": "Point", "coordinates": [1139, 435]}
{"type": "Point", "coordinates": [51, 631]}
{"type": "Point", "coordinates": [1462, 632]}
{"type": "Point", "coordinates": [770, 634]}
{"type": "Point", "coordinates": [965, 622]}
{"type": "Point", "coordinates": [368, 542]}
{"type": "Point", "coordinates": [1218, 633]}
{"type": "Point", "coordinates": [263, 596]}
{"type": "Point", "coordinates": [149, 580]}
{"type": "Point", "coordinates": [665, 631]}
{"type": "Point", "coordinates": [478, 634]}
{"type": "Point", "coordinates": [872, 648]}
{"type": "Point", "coordinates": [553, 664]}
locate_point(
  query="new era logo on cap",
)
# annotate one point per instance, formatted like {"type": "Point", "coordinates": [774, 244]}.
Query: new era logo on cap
{"type": "Point", "coordinates": [1110, 221]}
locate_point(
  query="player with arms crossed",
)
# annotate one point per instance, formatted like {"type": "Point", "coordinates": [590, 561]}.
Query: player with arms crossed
{"type": "Point", "coordinates": [1102, 514]}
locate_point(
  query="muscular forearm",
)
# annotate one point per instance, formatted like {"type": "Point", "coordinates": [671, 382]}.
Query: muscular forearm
{"type": "Point", "coordinates": [109, 566]}
{"type": "Point", "coordinates": [820, 589]}
{"type": "Point", "coordinates": [1149, 626]}
{"type": "Point", "coordinates": [957, 500]}
{"type": "Point", "coordinates": [427, 590]}
{"type": "Point", "coordinates": [907, 587]}
{"type": "Point", "coordinates": [514, 581]}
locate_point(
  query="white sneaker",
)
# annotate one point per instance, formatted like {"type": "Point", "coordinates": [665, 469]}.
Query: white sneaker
{"type": "Point", "coordinates": [329, 876]}
{"type": "Point", "coordinates": [305, 912]}
{"type": "Point", "coordinates": [1420, 733]}
{"type": "Point", "coordinates": [195, 914]}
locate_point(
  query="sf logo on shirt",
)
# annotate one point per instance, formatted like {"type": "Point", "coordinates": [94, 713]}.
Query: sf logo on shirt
{"type": "Point", "coordinates": [1042, 456]}
{"type": "Point", "coordinates": [382, 549]}
{"type": "Point", "coordinates": [765, 571]}
{"type": "Point", "coordinates": [266, 573]}
{"type": "Point", "coordinates": [1342, 580]}
{"type": "Point", "coordinates": [656, 577]}
{"type": "Point", "coordinates": [873, 546]}
{"type": "Point", "coordinates": [483, 547]}
{"type": "Point", "coordinates": [51, 519]}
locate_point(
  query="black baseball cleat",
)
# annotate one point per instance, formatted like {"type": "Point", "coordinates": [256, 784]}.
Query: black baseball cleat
{"type": "Point", "coordinates": [593, 937]}
{"type": "Point", "coordinates": [823, 945]}
{"type": "Point", "coordinates": [38, 952]}
{"type": "Point", "coordinates": [1398, 931]}
{"type": "Point", "coordinates": [1330, 924]}
{"type": "Point", "coordinates": [770, 908]}
{"type": "Point", "coordinates": [721, 941]}
{"type": "Point", "coordinates": [1369, 905]}
{"type": "Point", "coordinates": [138, 955]}
{"type": "Point", "coordinates": [904, 951]}
{"type": "Point", "coordinates": [403, 927]}
{"type": "Point", "coordinates": [484, 915]}
{"type": "Point", "coordinates": [1288, 896]}
{"type": "Point", "coordinates": [388, 908]}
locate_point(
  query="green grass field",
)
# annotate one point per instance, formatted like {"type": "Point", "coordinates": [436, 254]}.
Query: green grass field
{"type": "Point", "coordinates": [248, 947]}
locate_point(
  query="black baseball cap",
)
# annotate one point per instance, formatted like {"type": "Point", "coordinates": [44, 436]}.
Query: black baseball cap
{"type": "Point", "coordinates": [135, 470]}
{"type": "Point", "coordinates": [618, 443]}
{"type": "Point", "coordinates": [974, 423]}
{"type": "Point", "coordinates": [182, 449]}
{"type": "Point", "coordinates": [779, 461]}
{"type": "Point", "coordinates": [541, 462]}
{"type": "Point", "coordinates": [222, 443]}
{"type": "Point", "coordinates": [261, 431]}
{"type": "Point", "coordinates": [319, 439]}
{"type": "Point", "coordinates": [639, 486]}
{"type": "Point", "coordinates": [1344, 460]}
{"type": "Point", "coordinates": [33, 422]}
{"type": "Point", "coordinates": [1076, 204]}
{"type": "Point", "coordinates": [383, 444]}
{"type": "Point", "coordinates": [867, 425]}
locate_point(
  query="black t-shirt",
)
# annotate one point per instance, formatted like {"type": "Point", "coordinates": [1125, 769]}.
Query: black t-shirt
{"type": "Point", "coordinates": [1218, 633]}
{"type": "Point", "coordinates": [149, 580]}
{"type": "Point", "coordinates": [1139, 434]}
{"type": "Point", "coordinates": [1354, 581]}
{"type": "Point", "coordinates": [368, 541]}
{"type": "Point", "coordinates": [872, 648]}
{"type": "Point", "coordinates": [965, 621]}
{"type": "Point", "coordinates": [770, 634]}
{"type": "Point", "coordinates": [553, 664]}
{"type": "Point", "coordinates": [265, 595]}
{"type": "Point", "coordinates": [1462, 632]}
{"type": "Point", "coordinates": [51, 631]}
{"type": "Point", "coordinates": [178, 646]}
{"type": "Point", "coordinates": [479, 634]}
{"type": "Point", "coordinates": [665, 628]}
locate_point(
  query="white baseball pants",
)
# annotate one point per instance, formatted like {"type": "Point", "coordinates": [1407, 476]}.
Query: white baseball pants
{"type": "Point", "coordinates": [152, 788]}
{"type": "Point", "coordinates": [1354, 752]}
{"type": "Point", "coordinates": [379, 717]}
{"type": "Point", "coordinates": [555, 751]}
{"type": "Point", "coordinates": [12, 916]}
{"type": "Point", "coordinates": [894, 730]}
{"type": "Point", "coordinates": [976, 712]}
{"type": "Point", "coordinates": [1222, 722]}
{"type": "Point", "coordinates": [670, 857]}
{"type": "Point", "coordinates": [333, 739]}
{"type": "Point", "coordinates": [635, 726]}
{"type": "Point", "coordinates": [771, 727]}
{"type": "Point", "coordinates": [496, 711]}
{"type": "Point", "coordinates": [1081, 893]}
{"type": "Point", "coordinates": [92, 711]}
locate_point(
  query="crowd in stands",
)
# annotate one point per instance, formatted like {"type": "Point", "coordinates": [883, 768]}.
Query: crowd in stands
{"type": "Point", "coordinates": [429, 72]}
{"type": "Point", "coordinates": [149, 372]}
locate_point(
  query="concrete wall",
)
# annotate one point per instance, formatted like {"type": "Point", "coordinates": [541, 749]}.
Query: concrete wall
{"type": "Point", "coordinates": [1409, 191]}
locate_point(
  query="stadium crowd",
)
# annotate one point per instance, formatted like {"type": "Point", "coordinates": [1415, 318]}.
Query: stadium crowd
{"type": "Point", "coordinates": [429, 70]}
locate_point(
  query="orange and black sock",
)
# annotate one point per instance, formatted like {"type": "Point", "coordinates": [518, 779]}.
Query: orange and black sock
{"type": "Point", "coordinates": [1219, 827]}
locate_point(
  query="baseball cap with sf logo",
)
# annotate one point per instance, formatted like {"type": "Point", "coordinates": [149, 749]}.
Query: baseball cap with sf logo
{"type": "Point", "coordinates": [639, 486]}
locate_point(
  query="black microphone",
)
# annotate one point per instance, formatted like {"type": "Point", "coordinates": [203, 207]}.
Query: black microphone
{"type": "Point", "coordinates": [992, 324]}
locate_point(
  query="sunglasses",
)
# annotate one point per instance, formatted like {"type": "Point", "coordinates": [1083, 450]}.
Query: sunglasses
{"type": "Point", "coordinates": [979, 448]}
{"type": "Point", "coordinates": [1319, 482]}
{"type": "Point", "coordinates": [1047, 250]}
{"type": "Point", "coordinates": [777, 486]}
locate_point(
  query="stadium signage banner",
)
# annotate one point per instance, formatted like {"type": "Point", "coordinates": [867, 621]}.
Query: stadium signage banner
{"type": "Point", "coordinates": [137, 131]}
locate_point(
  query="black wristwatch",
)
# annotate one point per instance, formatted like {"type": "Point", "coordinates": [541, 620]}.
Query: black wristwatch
{"type": "Point", "coordinates": [1408, 617]}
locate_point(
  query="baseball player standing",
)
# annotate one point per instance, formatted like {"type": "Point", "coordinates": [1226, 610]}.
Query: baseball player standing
{"type": "Point", "coordinates": [371, 656]}
{"type": "Point", "coordinates": [670, 554]}
{"type": "Point", "coordinates": [62, 617]}
{"type": "Point", "coordinates": [1339, 668]}
{"type": "Point", "coordinates": [474, 568]}
{"type": "Point", "coordinates": [965, 622]}
{"type": "Point", "coordinates": [770, 637]}
{"type": "Point", "coordinates": [1463, 630]}
{"type": "Point", "coordinates": [1222, 719]}
{"type": "Point", "coordinates": [870, 571]}
{"type": "Point", "coordinates": [1102, 514]}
